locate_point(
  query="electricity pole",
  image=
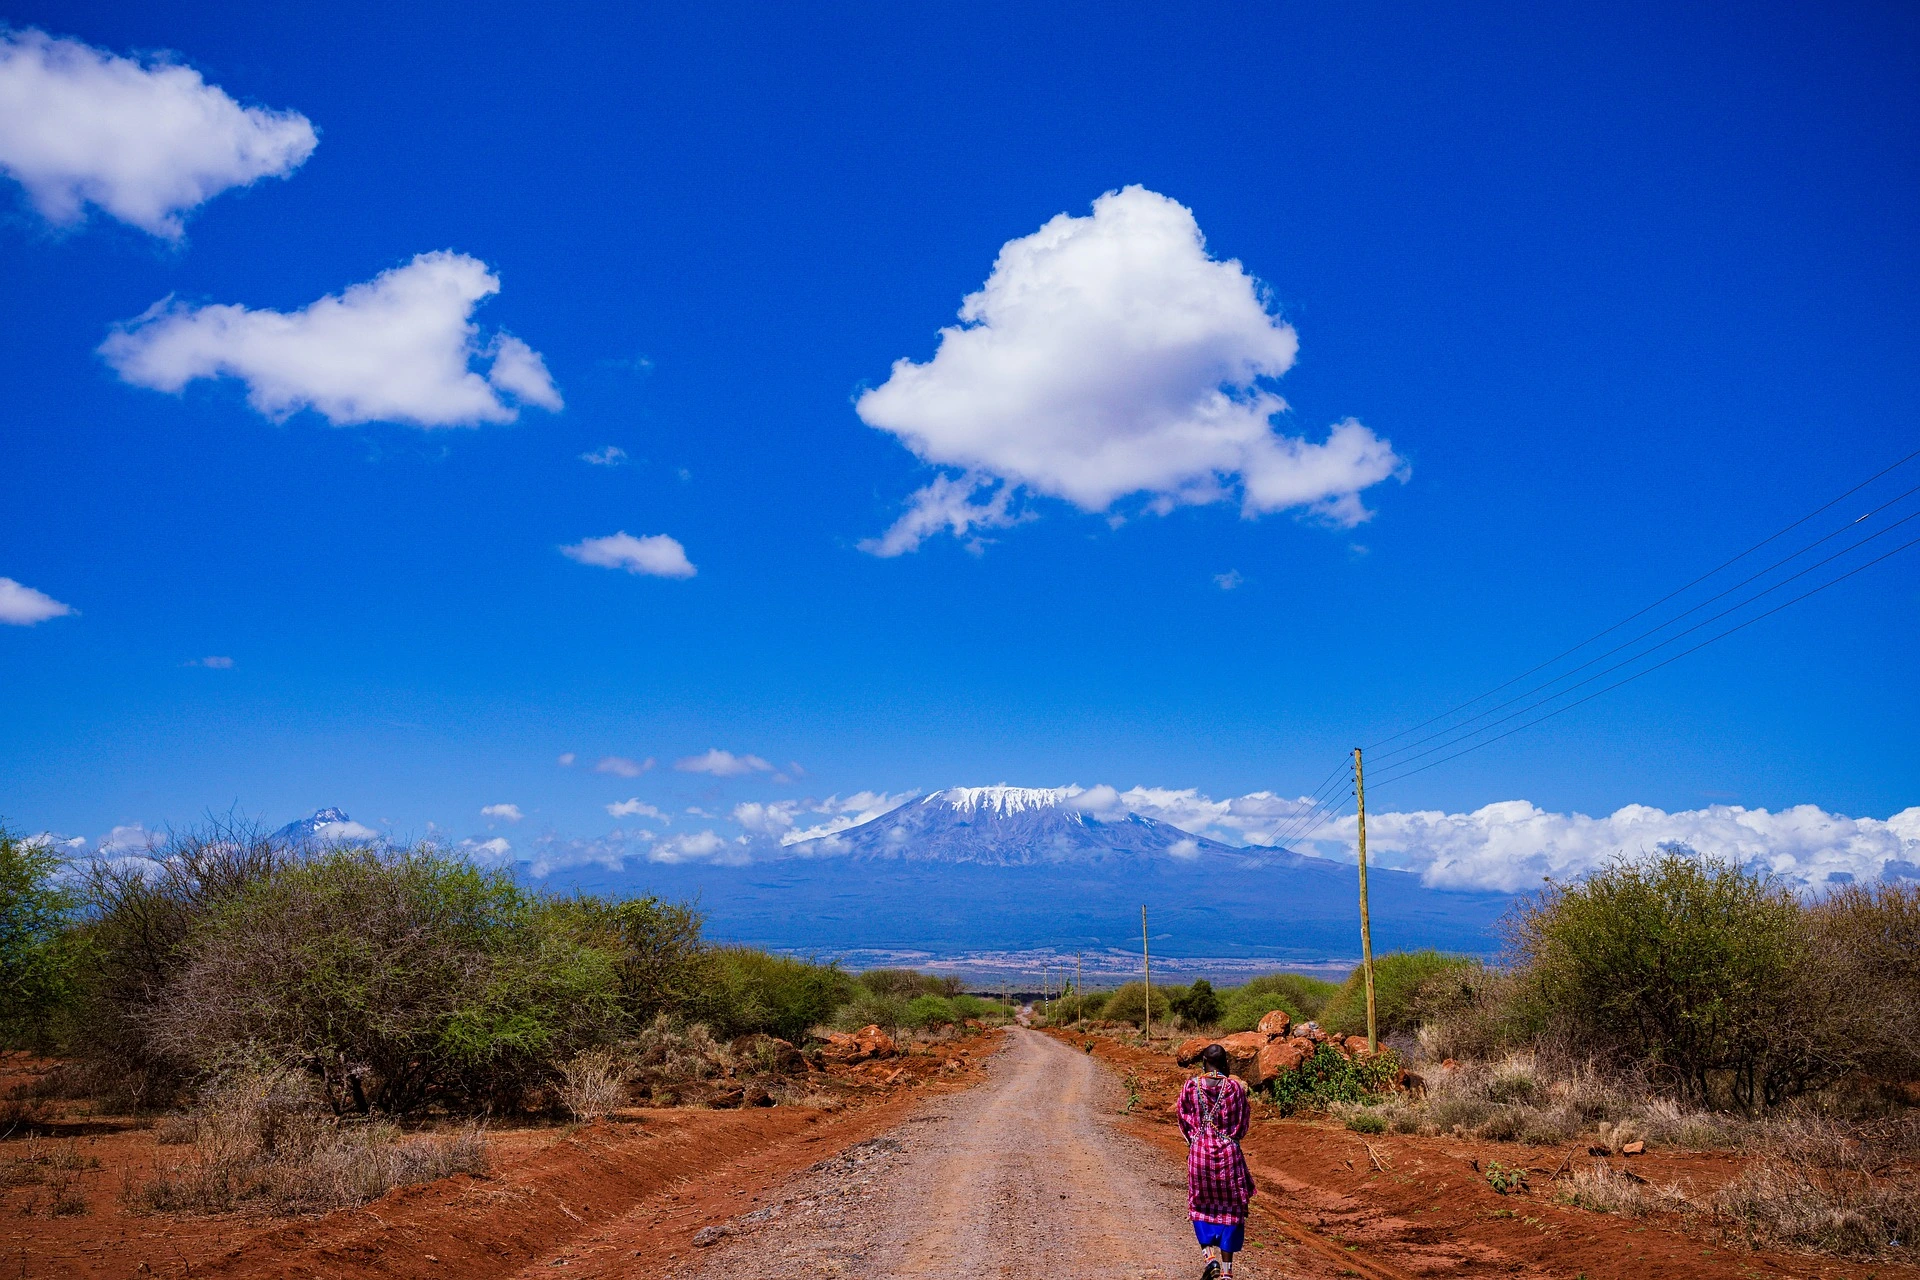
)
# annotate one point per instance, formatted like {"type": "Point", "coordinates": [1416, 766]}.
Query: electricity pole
{"type": "Point", "coordinates": [1079, 993]}
{"type": "Point", "coordinates": [1366, 922]}
{"type": "Point", "coordinates": [1146, 971]}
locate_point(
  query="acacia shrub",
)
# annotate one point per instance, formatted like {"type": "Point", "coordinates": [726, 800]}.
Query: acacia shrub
{"type": "Point", "coordinates": [398, 978]}
{"type": "Point", "coordinates": [38, 958]}
{"type": "Point", "coordinates": [1300, 996]}
{"type": "Point", "coordinates": [138, 914]}
{"type": "Point", "coordinates": [1398, 978]}
{"type": "Point", "coordinates": [752, 991]}
{"type": "Point", "coordinates": [1866, 964]}
{"type": "Point", "coordinates": [1198, 1004]}
{"type": "Point", "coordinates": [1686, 966]}
{"type": "Point", "coordinates": [1128, 1003]}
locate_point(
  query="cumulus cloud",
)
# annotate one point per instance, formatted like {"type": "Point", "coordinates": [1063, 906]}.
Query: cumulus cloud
{"type": "Point", "coordinates": [722, 764]}
{"type": "Point", "coordinates": [145, 141]}
{"type": "Point", "coordinates": [1107, 356]}
{"type": "Point", "coordinates": [700, 846]}
{"type": "Point", "coordinates": [398, 348]}
{"type": "Point", "coordinates": [656, 554]}
{"type": "Point", "coordinates": [620, 766]}
{"type": "Point", "coordinates": [22, 606]}
{"type": "Point", "coordinates": [496, 850]}
{"type": "Point", "coordinates": [566, 759]}
{"type": "Point", "coordinates": [1513, 844]}
{"type": "Point", "coordinates": [846, 811]}
{"type": "Point", "coordinates": [611, 455]}
{"type": "Point", "coordinates": [215, 663]}
{"type": "Point", "coordinates": [636, 808]}
{"type": "Point", "coordinates": [345, 831]}
{"type": "Point", "coordinates": [502, 812]}
{"type": "Point", "coordinates": [774, 818]}
{"type": "Point", "coordinates": [128, 838]}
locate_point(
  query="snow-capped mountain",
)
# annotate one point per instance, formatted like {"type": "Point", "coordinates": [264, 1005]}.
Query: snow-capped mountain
{"type": "Point", "coordinates": [323, 825]}
{"type": "Point", "coordinates": [1025, 827]}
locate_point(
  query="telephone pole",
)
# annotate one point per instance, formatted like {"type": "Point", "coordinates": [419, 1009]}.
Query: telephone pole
{"type": "Point", "coordinates": [1079, 993]}
{"type": "Point", "coordinates": [1366, 922]}
{"type": "Point", "coordinates": [1146, 972]}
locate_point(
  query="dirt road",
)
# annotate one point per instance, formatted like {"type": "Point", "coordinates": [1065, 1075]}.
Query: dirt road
{"type": "Point", "coordinates": [1026, 1175]}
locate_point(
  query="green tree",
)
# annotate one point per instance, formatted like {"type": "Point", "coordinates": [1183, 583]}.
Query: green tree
{"type": "Point", "coordinates": [1688, 964]}
{"type": "Point", "coordinates": [1398, 978]}
{"type": "Point", "coordinates": [1198, 1004]}
{"type": "Point", "coordinates": [37, 949]}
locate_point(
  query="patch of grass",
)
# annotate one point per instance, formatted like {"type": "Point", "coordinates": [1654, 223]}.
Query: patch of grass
{"type": "Point", "coordinates": [1367, 1122]}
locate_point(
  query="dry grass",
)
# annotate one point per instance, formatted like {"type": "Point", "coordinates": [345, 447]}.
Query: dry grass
{"type": "Point", "coordinates": [1787, 1203]}
{"type": "Point", "coordinates": [258, 1138]}
{"type": "Point", "coordinates": [671, 1051]}
{"type": "Point", "coordinates": [1602, 1189]}
{"type": "Point", "coordinates": [594, 1084]}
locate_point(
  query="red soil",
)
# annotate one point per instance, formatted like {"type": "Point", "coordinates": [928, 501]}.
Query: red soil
{"type": "Point", "coordinates": [553, 1196]}
{"type": "Point", "coordinates": [1428, 1210]}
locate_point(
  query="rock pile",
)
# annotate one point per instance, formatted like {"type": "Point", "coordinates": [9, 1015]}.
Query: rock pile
{"type": "Point", "coordinates": [1272, 1049]}
{"type": "Point", "coordinates": [869, 1042]}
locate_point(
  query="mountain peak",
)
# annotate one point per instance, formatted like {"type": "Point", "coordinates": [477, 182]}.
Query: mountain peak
{"type": "Point", "coordinates": [1002, 800]}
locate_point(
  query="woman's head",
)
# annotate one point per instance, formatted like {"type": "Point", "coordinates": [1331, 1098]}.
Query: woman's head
{"type": "Point", "coordinates": [1214, 1058]}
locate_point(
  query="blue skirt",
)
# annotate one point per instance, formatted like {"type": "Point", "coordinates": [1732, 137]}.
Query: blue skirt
{"type": "Point", "coordinates": [1227, 1236]}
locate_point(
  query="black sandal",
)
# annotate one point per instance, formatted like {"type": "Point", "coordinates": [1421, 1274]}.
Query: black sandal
{"type": "Point", "coordinates": [1211, 1271]}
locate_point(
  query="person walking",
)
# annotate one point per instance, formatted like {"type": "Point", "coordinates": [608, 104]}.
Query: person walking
{"type": "Point", "coordinates": [1214, 1115]}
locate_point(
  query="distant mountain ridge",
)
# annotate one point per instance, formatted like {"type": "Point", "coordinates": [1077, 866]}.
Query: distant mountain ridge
{"type": "Point", "coordinates": [1007, 826]}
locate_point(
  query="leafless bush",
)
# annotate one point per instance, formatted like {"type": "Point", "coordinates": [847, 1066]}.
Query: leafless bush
{"type": "Point", "coordinates": [1603, 1190]}
{"type": "Point", "coordinates": [670, 1050]}
{"type": "Point", "coordinates": [259, 1136]}
{"type": "Point", "coordinates": [1782, 1201]}
{"type": "Point", "coordinates": [594, 1083]}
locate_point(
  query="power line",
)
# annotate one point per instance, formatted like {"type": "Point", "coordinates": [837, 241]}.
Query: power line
{"type": "Point", "coordinates": [1316, 801]}
{"type": "Point", "coordinates": [1656, 666]}
{"type": "Point", "coordinates": [1782, 532]}
{"type": "Point", "coordinates": [1454, 733]}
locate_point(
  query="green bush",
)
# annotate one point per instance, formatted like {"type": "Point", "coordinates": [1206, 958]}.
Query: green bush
{"type": "Point", "coordinates": [889, 1011]}
{"type": "Point", "coordinates": [1397, 979]}
{"type": "Point", "coordinates": [754, 991]}
{"type": "Point", "coordinates": [1128, 1004]}
{"type": "Point", "coordinates": [1302, 997]}
{"type": "Point", "coordinates": [907, 983]}
{"type": "Point", "coordinates": [1075, 1007]}
{"type": "Point", "coordinates": [38, 952]}
{"type": "Point", "coordinates": [1866, 964]}
{"type": "Point", "coordinates": [1690, 966]}
{"type": "Point", "coordinates": [400, 978]}
{"type": "Point", "coordinates": [660, 961]}
{"type": "Point", "coordinates": [1329, 1077]}
{"type": "Point", "coordinates": [966, 1006]}
{"type": "Point", "coordinates": [1198, 1004]}
{"type": "Point", "coordinates": [930, 1011]}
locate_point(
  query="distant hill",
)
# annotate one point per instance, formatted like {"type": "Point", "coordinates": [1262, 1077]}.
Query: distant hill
{"type": "Point", "coordinates": [1013, 868]}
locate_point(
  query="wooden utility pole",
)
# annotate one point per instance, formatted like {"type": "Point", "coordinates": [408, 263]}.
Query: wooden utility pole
{"type": "Point", "coordinates": [1079, 993]}
{"type": "Point", "coordinates": [1146, 971]}
{"type": "Point", "coordinates": [1366, 922]}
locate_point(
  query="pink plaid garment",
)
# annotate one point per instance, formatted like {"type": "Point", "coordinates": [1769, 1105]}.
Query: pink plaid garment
{"type": "Point", "coordinates": [1214, 1114]}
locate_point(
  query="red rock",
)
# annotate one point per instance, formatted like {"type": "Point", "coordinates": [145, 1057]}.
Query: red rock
{"type": "Point", "coordinates": [1278, 1058]}
{"type": "Point", "coordinates": [1275, 1023]}
{"type": "Point", "coordinates": [1243, 1053]}
{"type": "Point", "coordinates": [1634, 1149]}
{"type": "Point", "coordinates": [1188, 1052]}
{"type": "Point", "coordinates": [874, 1042]}
{"type": "Point", "coordinates": [1356, 1045]}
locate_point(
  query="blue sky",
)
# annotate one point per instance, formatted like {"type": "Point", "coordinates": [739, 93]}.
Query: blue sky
{"type": "Point", "coordinates": [1617, 292]}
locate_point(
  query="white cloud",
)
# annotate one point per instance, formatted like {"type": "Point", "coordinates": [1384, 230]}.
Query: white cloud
{"type": "Point", "coordinates": [847, 811]}
{"type": "Point", "coordinates": [611, 455]}
{"type": "Point", "coordinates": [128, 838]}
{"type": "Point", "coordinates": [1513, 844]}
{"type": "Point", "coordinates": [213, 663]}
{"type": "Point", "coordinates": [22, 606]}
{"type": "Point", "coordinates": [496, 850]}
{"type": "Point", "coordinates": [621, 767]}
{"type": "Point", "coordinates": [344, 832]}
{"type": "Point", "coordinates": [702, 846]}
{"type": "Point", "coordinates": [656, 554]}
{"type": "Point", "coordinates": [945, 505]}
{"type": "Point", "coordinates": [502, 812]}
{"type": "Point", "coordinates": [722, 764]}
{"type": "Point", "coordinates": [1110, 355]}
{"type": "Point", "coordinates": [566, 759]}
{"type": "Point", "coordinates": [775, 818]}
{"type": "Point", "coordinates": [636, 808]}
{"type": "Point", "coordinates": [398, 348]}
{"type": "Point", "coordinates": [146, 142]}
{"type": "Point", "coordinates": [1229, 580]}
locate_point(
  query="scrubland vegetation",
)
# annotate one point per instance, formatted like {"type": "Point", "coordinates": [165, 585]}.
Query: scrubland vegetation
{"type": "Point", "coordinates": [1675, 1001]}
{"type": "Point", "coordinates": [315, 1027]}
